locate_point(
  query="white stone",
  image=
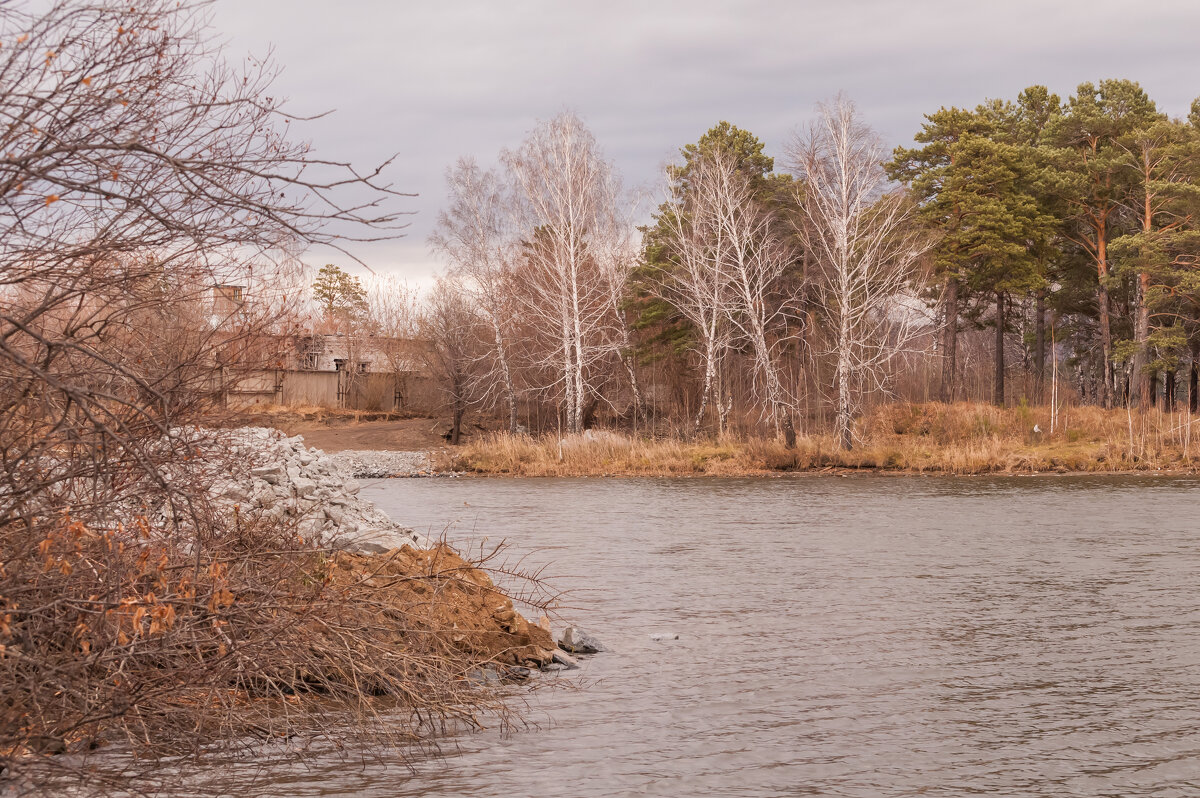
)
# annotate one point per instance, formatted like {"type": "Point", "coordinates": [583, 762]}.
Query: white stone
{"type": "Point", "coordinates": [279, 480]}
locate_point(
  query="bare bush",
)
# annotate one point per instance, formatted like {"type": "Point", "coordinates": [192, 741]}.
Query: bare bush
{"type": "Point", "coordinates": [152, 202]}
{"type": "Point", "coordinates": [450, 330]}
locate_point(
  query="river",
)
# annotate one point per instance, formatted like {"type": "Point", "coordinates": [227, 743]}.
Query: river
{"type": "Point", "coordinates": [840, 636]}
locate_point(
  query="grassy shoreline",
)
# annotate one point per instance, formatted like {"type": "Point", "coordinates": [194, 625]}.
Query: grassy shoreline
{"type": "Point", "coordinates": [959, 439]}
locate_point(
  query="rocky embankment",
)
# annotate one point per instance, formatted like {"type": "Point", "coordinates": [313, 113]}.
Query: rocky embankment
{"type": "Point", "coordinates": [279, 478]}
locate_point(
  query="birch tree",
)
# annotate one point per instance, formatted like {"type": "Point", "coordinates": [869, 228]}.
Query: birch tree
{"type": "Point", "coordinates": [725, 256]}
{"type": "Point", "coordinates": [867, 250]}
{"type": "Point", "coordinates": [692, 281]}
{"type": "Point", "coordinates": [751, 253]}
{"type": "Point", "coordinates": [474, 232]}
{"type": "Point", "coordinates": [616, 257]}
{"type": "Point", "coordinates": [565, 194]}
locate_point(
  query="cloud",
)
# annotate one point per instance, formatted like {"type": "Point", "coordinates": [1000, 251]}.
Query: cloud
{"type": "Point", "coordinates": [435, 81]}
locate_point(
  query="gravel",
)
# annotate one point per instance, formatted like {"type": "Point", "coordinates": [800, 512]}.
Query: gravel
{"type": "Point", "coordinates": [368, 464]}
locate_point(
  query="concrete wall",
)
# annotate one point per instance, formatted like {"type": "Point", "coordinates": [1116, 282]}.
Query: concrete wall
{"type": "Point", "coordinates": [254, 388]}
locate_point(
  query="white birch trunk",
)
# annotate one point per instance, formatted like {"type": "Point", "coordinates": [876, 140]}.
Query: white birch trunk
{"type": "Point", "coordinates": [866, 252]}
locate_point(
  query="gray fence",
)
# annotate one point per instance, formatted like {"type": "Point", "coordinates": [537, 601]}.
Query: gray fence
{"type": "Point", "coordinates": [336, 389]}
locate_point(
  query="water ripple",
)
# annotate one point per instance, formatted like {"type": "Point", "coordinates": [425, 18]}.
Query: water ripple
{"type": "Point", "coordinates": [854, 637]}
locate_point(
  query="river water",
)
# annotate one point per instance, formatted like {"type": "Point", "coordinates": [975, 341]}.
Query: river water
{"type": "Point", "coordinates": [841, 636]}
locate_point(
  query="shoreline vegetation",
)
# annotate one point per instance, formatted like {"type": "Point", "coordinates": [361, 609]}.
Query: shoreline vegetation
{"type": "Point", "coordinates": [952, 439]}
{"type": "Point", "coordinates": [282, 607]}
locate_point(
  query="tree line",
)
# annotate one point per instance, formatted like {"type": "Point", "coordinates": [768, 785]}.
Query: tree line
{"type": "Point", "coordinates": [726, 306]}
{"type": "Point", "coordinates": [1047, 239]}
{"type": "Point", "coordinates": [1083, 211]}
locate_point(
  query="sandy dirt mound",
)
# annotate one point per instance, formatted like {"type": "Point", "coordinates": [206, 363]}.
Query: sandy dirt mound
{"type": "Point", "coordinates": [435, 594]}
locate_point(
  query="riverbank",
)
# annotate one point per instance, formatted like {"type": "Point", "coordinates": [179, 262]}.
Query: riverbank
{"type": "Point", "coordinates": [262, 598]}
{"type": "Point", "coordinates": [930, 438]}
{"type": "Point", "coordinates": [904, 438]}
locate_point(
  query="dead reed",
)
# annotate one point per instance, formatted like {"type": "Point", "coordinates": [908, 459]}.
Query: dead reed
{"type": "Point", "coordinates": [962, 438]}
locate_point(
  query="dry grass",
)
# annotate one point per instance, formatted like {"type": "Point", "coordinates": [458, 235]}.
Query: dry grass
{"type": "Point", "coordinates": [955, 439]}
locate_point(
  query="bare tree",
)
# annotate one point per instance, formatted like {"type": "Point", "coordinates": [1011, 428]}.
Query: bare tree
{"type": "Point", "coordinates": [728, 257]}
{"type": "Point", "coordinates": [143, 179]}
{"type": "Point", "coordinates": [752, 255]}
{"type": "Point", "coordinates": [616, 253]}
{"type": "Point", "coordinates": [866, 247]}
{"type": "Point", "coordinates": [475, 234]}
{"type": "Point", "coordinates": [447, 326]}
{"type": "Point", "coordinates": [693, 283]}
{"type": "Point", "coordinates": [393, 314]}
{"type": "Point", "coordinates": [565, 194]}
{"type": "Point", "coordinates": [392, 309]}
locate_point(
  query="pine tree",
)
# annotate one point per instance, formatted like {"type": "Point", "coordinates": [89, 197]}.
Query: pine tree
{"type": "Point", "coordinates": [926, 171]}
{"type": "Point", "coordinates": [1092, 178]}
{"type": "Point", "coordinates": [1159, 250]}
{"type": "Point", "coordinates": [1162, 159]}
{"type": "Point", "coordinates": [1035, 112]}
{"type": "Point", "coordinates": [977, 190]}
{"type": "Point", "coordinates": [341, 296]}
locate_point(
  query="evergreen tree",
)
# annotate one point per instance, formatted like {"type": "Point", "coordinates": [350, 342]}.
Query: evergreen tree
{"type": "Point", "coordinates": [992, 189]}
{"type": "Point", "coordinates": [976, 188]}
{"type": "Point", "coordinates": [926, 170]}
{"type": "Point", "coordinates": [1035, 112]}
{"type": "Point", "coordinates": [1159, 248]}
{"type": "Point", "coordinates": [340, 295]}
{"type": "Point", "coordinates": [1091, 177]}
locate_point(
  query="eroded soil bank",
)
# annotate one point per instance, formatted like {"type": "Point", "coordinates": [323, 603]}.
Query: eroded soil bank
{"type": "Point", "coordinates": [263, 599]}
{"type": "Point", "coordinates": [435, 592]}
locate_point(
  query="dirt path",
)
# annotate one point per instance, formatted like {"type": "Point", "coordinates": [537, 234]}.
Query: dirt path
{"type": "Point", "coordinates": [336, 432]}
{"type": "Point", "coordinates": [410, 434]}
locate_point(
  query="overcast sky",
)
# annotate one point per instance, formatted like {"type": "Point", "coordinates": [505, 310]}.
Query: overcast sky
{"type": "Point", "coordinates": [438, 79]}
